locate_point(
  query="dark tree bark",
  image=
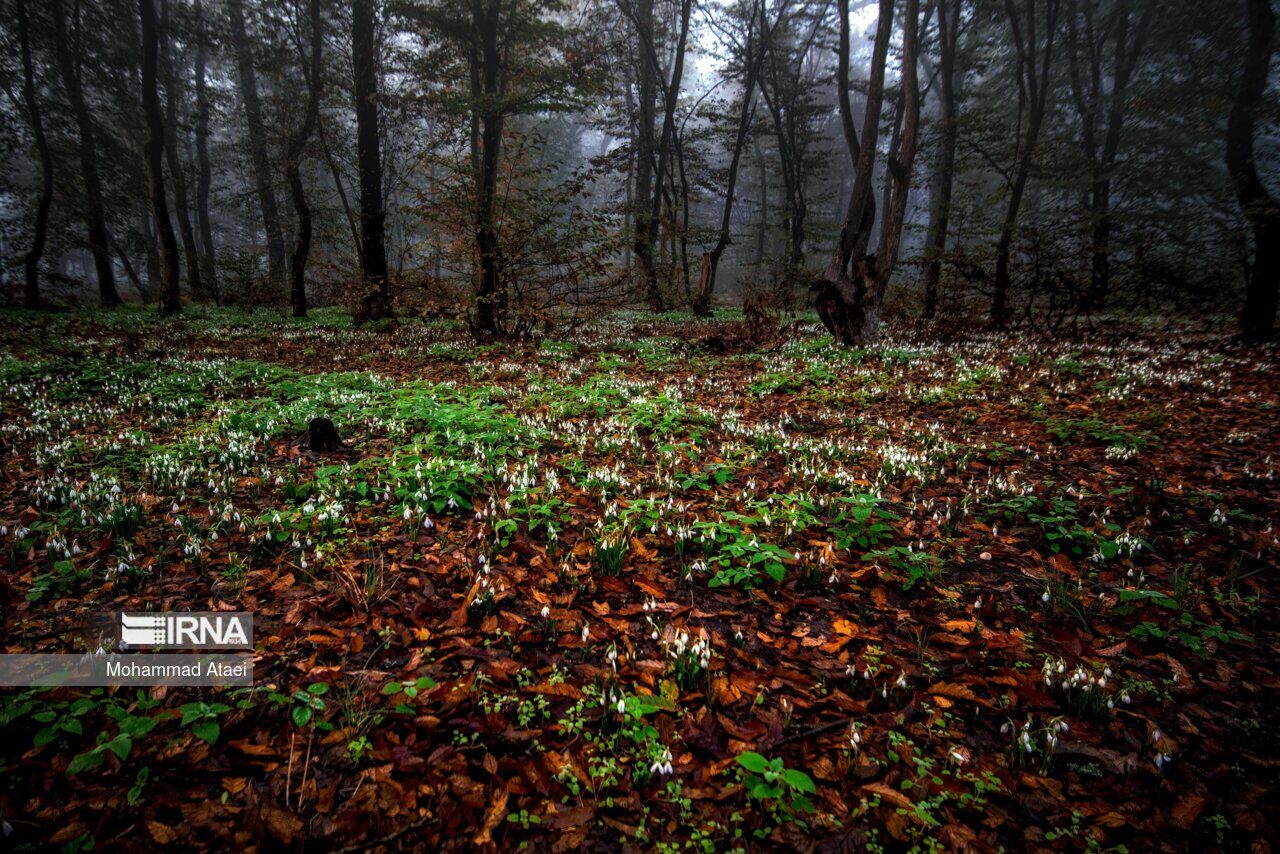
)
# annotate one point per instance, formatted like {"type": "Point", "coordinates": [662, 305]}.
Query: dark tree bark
{"type": "Point", "coordinates": [684, 211]}
{"type": "Point", "coordinates": [258, 145]}
{"type": "Point", "coordinates": [763, 230]}
{"type": "Point", "coordinates": [95, 212]}
{"type": "Point", "coordinates": [486, 151]}
{"type": "Point", "coordinates": [1262, 289]}
{"type": "Point", "coordinates": [147, 230]}
{"type": "Point", "coordinates": [297, 145]}
{"type": "Point", "coordinates": [208, 254]}
{"type": "Point", "coordinates": [900, 172]}
{"type": "Point", "coordinates": [840, 294]}
{"type": "Point", "coordinates": [130, 273]}
{"type": "Point", "coordinates": [647, 85]}
{"type": "Point", "coordinates": [746, 111]}
{"type": "Point", "coordinates": [373, 251]}
{"type": "Point", "coordinates": [1099, 137]}
{"type": "Point", "coordinates": [176, 173]}
{"type": "Point", "coordinates": [31, 262]}
{"type": "Point", "coordinates": [1033, 96]}
{"type": "Point", "coordinates": [170, 301]}
{"type": "Point", "coordinates": [665, 141]}
{"type": "Point", "coordinates": [944, 167]}
{"type": "Point", "coordinates": [653, 156]}
{"type": "Point", "coordinates": [789, 158]}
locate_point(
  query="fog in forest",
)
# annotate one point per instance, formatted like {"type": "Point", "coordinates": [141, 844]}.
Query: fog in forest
{"type": "Point", "coordinates": [523, 166]}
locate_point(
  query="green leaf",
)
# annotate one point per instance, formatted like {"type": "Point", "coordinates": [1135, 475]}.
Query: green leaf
{"type": "Point", "coordinates": [753, 762]}
{"type": "Point", "coordinates": [391, 688]}
{"type": "Point", "coordinates": [301, 715]}
{"type": "Point", "coordinates": [798, 780]}
{"type": "Point", "coordinates": [136, 725]}
{"type": "Point", "coordinates": [84, 762]}
{"type": "Point", "coordinates": [207, 731]}
{"type": "Point", "coordinates": [120, 746]}
{"type": "Point", "coordinates": [318, 689]}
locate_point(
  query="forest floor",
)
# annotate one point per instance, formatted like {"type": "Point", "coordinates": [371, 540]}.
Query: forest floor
{"type": "Point", "coordinates": [629, 589]}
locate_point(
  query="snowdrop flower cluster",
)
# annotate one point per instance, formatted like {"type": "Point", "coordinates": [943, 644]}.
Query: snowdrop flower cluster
{"type": "Point", "coordinates": [486, 588]}
{"type": "Point", "coordinates": [662, 765]}
{"type": "Point", "coordinates": [855, 736]}
{"type": "Point", "coordinates": [1086, 691]}
{"type": "Point", "coordinates": [687, 657]}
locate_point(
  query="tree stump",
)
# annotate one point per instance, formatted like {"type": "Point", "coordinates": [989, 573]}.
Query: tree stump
{"type": "Point", "coordinates": [322, 436]}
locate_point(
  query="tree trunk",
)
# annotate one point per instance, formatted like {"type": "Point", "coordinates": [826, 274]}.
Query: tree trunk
{"type": "Point", "coordinates": [373, 251]}
{"type": "Point", "coordinates": [31, 288]}
{"type": "Point", "coordinates": [684, 208]}
{"type": "Point", "coordinates": [1091, 102]}
{"type": "Point", "coordinates": [943, 176]}
{"type": "Point", "coordinates": [209, 267]}
{"type": "Point", "coordinates": [170, 301]}
{"type": "Point", "coordinates": [644, 188]}
{"type": "Point", "coordinates": [763, 231]}
{"type": "Point", "coordinates": [486, 151]}
{"type": "Point", "coordinates": [302, 248]}
{"type": "Point", "coordinates": [1262, 289]}
{"type": "Point", "coordinates": [746, 112]}
{"type": "Point", "coordinates": [258, 145]}
{"type": "Point", "coordinates": [94, 209]}
{"type": "Point", "coordinates": [130, 273]}
{"type": "Point", "coordinates": [665, 140]}
{"type": "Point", "coordinates": [843, 296]}
{"type": "Point", "coordinates": [147, 229]}
{"type": "Point", "coordinates": [176, 174]}
{"type": "Point", "coordinates": [900, 172]}
{"type": "Point", "coordinates": [1033, 93]}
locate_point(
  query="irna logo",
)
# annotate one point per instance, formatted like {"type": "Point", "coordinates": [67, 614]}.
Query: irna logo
{"type": "Point", "coordinates": [204, 630]}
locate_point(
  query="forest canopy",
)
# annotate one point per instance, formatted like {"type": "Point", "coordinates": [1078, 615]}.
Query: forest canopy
{"type": "Point", "coordinates": [522, 166]}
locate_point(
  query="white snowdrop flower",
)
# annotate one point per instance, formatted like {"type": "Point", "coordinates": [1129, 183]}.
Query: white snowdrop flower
{"type": "Point", "coordinates": [546, 611]}
{"type": "Point", "coordinates": [1045, 596]}
{"type": "Point", "coordinates": [977, 604]}
{"type": "Point", "coordinates": [586, 632]}
{"type": "Point", "coordinates": [622, 706]}
{"type": "Point", "coordinates": [902, 680]}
